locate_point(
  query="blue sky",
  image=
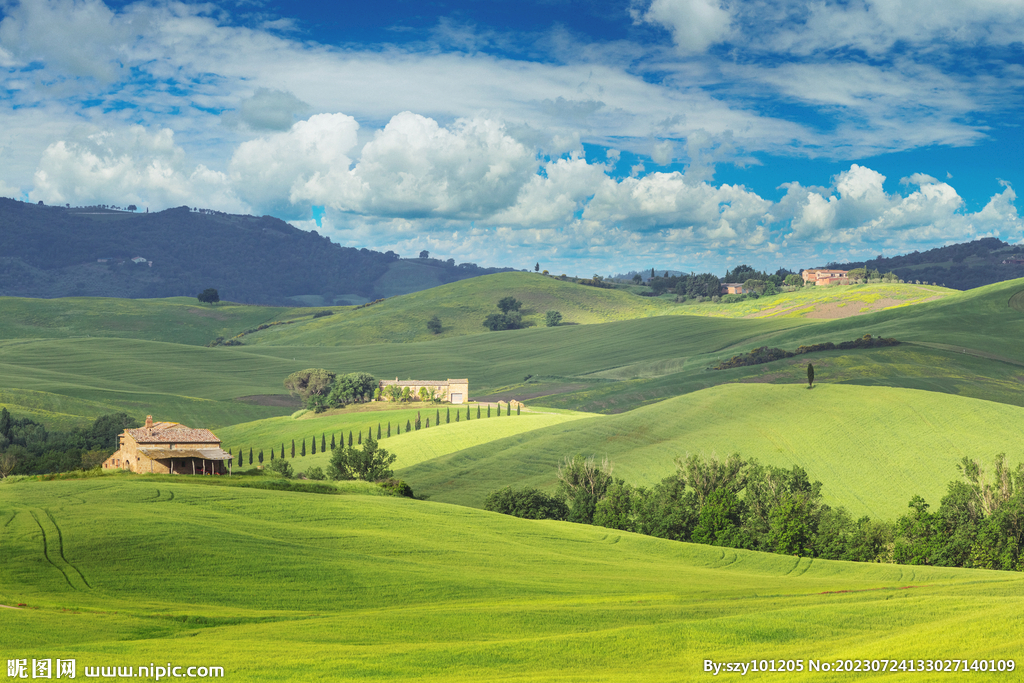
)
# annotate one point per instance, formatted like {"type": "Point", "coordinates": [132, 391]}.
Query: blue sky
{"type": "Point", "coordinates": [588, 136]}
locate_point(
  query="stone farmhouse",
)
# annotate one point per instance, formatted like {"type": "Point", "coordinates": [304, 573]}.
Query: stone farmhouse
{"type": "Point", "coordinates": [169, 448]}
{"type": "Point", "coordinates": [449, 391]}
{"type": "Point", "coordinates": [825, 276]}
{"type": "Point", "coordinates": [733, 288]}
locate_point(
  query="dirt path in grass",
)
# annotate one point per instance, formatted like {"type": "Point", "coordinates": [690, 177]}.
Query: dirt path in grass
{"type": "Point", "coordinates": [9, 607]}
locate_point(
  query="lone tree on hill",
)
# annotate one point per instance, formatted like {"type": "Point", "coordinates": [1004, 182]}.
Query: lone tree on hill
{"type": "Point", "coordinates": [208, 296]}
{"type": "Point", "coordinates": [509, 304]}
{"type": "Point", "coordinates": [370, 463]}
{"type": "Point", "coordinates": [810, 376]}
{"type": "Point", "coordinates": [553, 318]}
{"type": "Point", "coordinates": [434, 325]}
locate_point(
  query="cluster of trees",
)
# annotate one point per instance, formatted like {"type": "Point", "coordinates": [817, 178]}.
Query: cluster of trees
{"type": "Point", "coordinates": [740, 503]}
{"type": "Point", "coordinates": [961, 266]}
{"type": "Point", "coordinates": [27, 447]}
{"type": "Point", "coordinates": [322, 389]}
{"type": "Point", "coordinates": [979, 523]}
{"type": "Point", "coordinates": [208, 296]}
{"type": "Point", "coordinates": [766, 354]}
{"type": "Point", "coordinates": [734, 503]}
{"type": "Point", "coordinates": [510, 317]}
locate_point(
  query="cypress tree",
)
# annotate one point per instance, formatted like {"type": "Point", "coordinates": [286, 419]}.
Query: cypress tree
{"type": "Point", "coordinates": [333, 444]}
{"type": "Point", "coordinates": [389, 427]}
{"type": "Point", "coordinates": [518, 408]}
{"type": "Point", "coordinates": [282, 451]}
{"type": "Point", "coordinates": [488, 410]}
{"type": "Point", "coordinates": [250, 455]}
{"type": "Point", "coordinates": [428, 423]}
{"type": "Point", "coordinates": [240, 463]}
{"type": "Point", "coordinates": [303, 451]}
{"type": "Point", "coordinates": [369, 433]}
{"type": "Point", "coordinates": [408, 425]}
{"type": "Point", "coordinates": [457, 413]}
{"type": "Point", "coordinates": [398, 429]}
{"type": "Point", "coordinates": [312, 445]}
{"type": "Point", "coordinates": [467, 411]}
{"type": "Point", "coordinates": [293, 448]}
{"type": "Point", "coordinates": [261, 456]}
{"type": "Point", "coordinates": [447, 415]}
{"type": "Point", "coordinates": [378, 431]}
{"type": "Point", "coordinates": [437, 419]}
{"type": "Point", "coordinates": [350, 438]}
{"type": "Point", "coordinates": [323, 442]}
{"type": "Point", "coordinates": [418, 423]}
{"type": "Point", "coordinates": [271, 454]}
{"type": "Point", "coordinates": [359, 439]}
{"type": "Point", "coordinates": [508, 411]}
{"type": "Point", "coordinates": [478, 411]}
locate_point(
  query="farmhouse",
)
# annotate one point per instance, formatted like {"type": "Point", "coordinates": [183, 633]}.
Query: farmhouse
{"type": "Point", "coordinates": [826, 276]}
{"type": "Point", "coordinates": [450, 390]}
{"type": "Point", "coordinates": [169, 448]}
{"type": "Point", "coordinates": [733, 288]}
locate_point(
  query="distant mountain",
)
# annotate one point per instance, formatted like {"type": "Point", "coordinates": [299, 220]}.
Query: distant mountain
{"type": "Point", "coordinates": [958, 266]}
{"type": "Point", "coordinates": [48, 252]}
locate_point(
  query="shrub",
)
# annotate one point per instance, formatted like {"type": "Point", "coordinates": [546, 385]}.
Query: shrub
{"type": "Point", "coordinates": [396, 487]}
{"type": "Point", "coordinates": [315, 473]}
{"type": "Point", "coordinates": [527, 503]}
{"type": "Point", "coordinates": [282, 467]}
{"type": "Point", "coordinates": [552, 318]}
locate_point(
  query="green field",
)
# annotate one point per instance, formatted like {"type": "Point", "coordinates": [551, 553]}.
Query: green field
{"type": "Point", "coordinates": [873, 448]}
{"type": "Point", "coordinates": [182, 320]}
{"type": "Point", "coordinates": [410, 447]}
{"type": "Point", "coordinates": [122, 571]}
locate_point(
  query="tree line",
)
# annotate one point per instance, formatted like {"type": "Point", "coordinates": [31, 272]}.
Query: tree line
{"type": "Point", "coordinates": [27, 447]}
{"type": "Point", "coordinates": [739, 503]}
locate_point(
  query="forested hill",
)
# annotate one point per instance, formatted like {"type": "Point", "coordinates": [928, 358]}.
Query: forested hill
{"type": "Point", "coordinates": [50, 251]}
{"type": "Point", "coordinates": [958, 266]}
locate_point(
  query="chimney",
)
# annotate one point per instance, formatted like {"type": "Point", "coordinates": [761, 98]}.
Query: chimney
{"type": "Point", "coordinates": [149, 422]}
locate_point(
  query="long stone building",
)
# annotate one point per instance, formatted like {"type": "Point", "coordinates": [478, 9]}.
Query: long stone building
{"type": "Point", "coordinates": [169, 448]}
{"type": "Point", "coordinates": [449, 391]}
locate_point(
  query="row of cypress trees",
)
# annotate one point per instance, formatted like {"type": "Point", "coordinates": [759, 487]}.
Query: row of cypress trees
{"type": "Point", "coordinates": [358, 439]}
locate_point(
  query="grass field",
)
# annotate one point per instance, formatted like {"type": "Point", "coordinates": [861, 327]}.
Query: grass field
{"type": "Point", "coordinates": [873, 448]}
{"type": "Point", "coordinates": [181, 320]}
{"type": "Point", "coordinates": [411, 447]}
{"type": "Point", "coordinates": [126, 571]}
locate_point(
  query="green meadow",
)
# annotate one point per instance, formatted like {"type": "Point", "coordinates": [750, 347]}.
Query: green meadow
{"type": "Point", "coordinates": [411, 447]}
{"type": "Point", "coordinates": [125, 571]}
{"type": "Point", "coordinates": [873, 448]}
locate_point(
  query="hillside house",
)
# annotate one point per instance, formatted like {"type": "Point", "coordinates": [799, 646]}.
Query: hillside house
{"type": "Point", "coordinates": [733, 288]}
{"type": "Point", "coordinates": [448, 391]}
{"type": "Point", "coordinates": [169, 448]}
{"type": "Point", "coordinates": [825, 276]}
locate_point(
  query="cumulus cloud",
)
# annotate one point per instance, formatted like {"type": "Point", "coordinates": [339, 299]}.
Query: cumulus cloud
{"type": "Point", "coordinates": [131, 166]}
{"type": "Point", "coordinates": [858, 211]}
{"type": "Point", "coordinates": [268, 109]}
{"type": "Point", "coordinates": [285, 173]}
{"type": "Point", "coordinates": [695, 24]}
{"type": "Point", "coordinates": [416, 167]}
{"type": "Point", "coordinates": [76, 37]}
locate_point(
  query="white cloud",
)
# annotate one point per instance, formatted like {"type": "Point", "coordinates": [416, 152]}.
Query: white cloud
{"type": "Point", "coordinates": [285, 173]}
{"type": "Point", "coordinates": [130, 166]}
{"type": "Point", "coordinates": [695, 24]}
{"type": "Point", "coordinates": [860, 212]}
{"type": "Point", "coordinates": [76, 37]}
{"type": "Point", "coordinates": [268, 110]}
{"type": "Point", "coordinates": [415, 167]}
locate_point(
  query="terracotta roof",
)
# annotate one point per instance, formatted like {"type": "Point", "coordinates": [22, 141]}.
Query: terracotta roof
{"type": "Point", "coordinates": [174, 434]}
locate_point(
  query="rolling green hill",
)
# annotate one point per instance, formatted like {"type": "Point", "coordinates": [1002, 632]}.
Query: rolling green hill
{"type": "Point", "coordinates": [181, 320]}
{"type": "Point", "coordinates": [412, 447]}
{"type": "Point", "coordinates": [873, 448]}
{"type": "Point", "coordinates": [128, 571]}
